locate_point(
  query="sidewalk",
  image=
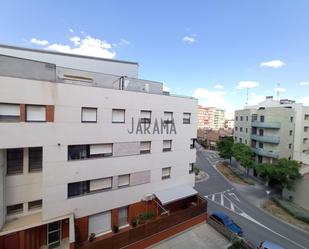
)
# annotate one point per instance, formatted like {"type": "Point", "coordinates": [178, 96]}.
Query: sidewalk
{"type": "Point", "coordinates": [202, 236]}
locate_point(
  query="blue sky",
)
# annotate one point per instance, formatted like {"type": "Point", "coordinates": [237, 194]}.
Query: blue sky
{"type": "Point", "coordinates": [200, 48]}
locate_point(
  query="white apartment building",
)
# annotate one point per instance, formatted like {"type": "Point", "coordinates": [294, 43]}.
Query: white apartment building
{"type": "Point", "coordinates": [71, 165]}
{"type": "Point", "coordinates": [210, 118]}
{"type": "Point", "coordinates": [274, 129]}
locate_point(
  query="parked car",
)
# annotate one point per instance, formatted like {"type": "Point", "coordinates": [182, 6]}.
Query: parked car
{"type": "Point", "coordinates": [269, 245]}
{"type": "Point", "coordinates": [227, 222]}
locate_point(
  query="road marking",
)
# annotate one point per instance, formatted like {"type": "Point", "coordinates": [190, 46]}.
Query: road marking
{"type": "Point", "coordinates": [232, 206]}
{"type": "Point", "coordinates": [213, 197]}
{"type": "Point", "coordinates": [234, 196]}
{"type": "Point", "coordinates": [222, 202]}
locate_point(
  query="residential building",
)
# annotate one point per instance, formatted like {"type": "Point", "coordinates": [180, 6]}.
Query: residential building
{"type": "Point", "coordinates": [209, 138]}
{"type": "Point", "coordinates": [230, 123]}
{"type": "Point", "coordinates": [274, 129]}
{"type": "Point", "coordinates": [210, 118]}
{"type": "Point", "coordinates": [86, 147]}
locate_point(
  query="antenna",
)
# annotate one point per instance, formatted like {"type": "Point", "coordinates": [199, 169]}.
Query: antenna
{"type": "Point", "coordinates": [278, 92]}
{"type": "Point", "coordinates": [247, 96]}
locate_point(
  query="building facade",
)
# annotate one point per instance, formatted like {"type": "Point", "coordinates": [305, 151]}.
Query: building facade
{"type": "Point", "coordinates": [274, 129]}
{"type": "Point", "coordinates": [86, 146]}
{"type": "Point", "coordinates": [210, 118]}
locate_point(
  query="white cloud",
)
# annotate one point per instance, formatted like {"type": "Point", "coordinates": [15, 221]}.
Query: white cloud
{"type": "Point", "coordinates": [279, 89]}
{"type": "Point", "coordinates": [304, 100]}
{"type": "Point", "coordinates": [304, 83]}
{"type": "Point", "coordinates": [254, 99]}
{"type": "Point", "coordinates": [39, 42]}
{"type": "Point", "coordinates": [86, 46]}
{"type": "Point", "coordinates": [210, 98]}
{"type": "Point", "coordinates": [71, 30]}
{"type": "Point", "coordinates": [273, 64]}
{"type": "Point", "coordinates": [166, 88]}
{"type": "Point", "coordinates": [247, 84]}
{"type": "Point", "coordinates": [188, 39]}
{"type": "Point", "coordinates": [218, 86]}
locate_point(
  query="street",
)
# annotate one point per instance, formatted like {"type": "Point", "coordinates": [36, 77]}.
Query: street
{"type": "Point", "coordinates": [229, 198]}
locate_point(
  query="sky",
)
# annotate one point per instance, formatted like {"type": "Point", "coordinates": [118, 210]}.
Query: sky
{"type": "Point", "coordinates": [213, 50]}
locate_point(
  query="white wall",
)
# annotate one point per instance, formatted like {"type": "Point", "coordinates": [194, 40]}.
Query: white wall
{"type": "Point", "coordinates": [67, 129]}
{"type": "Point", "coordinates": [77, 62]}
{"type": "Point", "coordinates": [2, 197]}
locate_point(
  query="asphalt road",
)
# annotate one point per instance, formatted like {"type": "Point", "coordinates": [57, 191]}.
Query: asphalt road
{"type": "Point", "coordinates": [256, 223]}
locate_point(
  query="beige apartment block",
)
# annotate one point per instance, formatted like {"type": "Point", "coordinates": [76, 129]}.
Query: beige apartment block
{"type": "Point", "coordinates": [210, 118]}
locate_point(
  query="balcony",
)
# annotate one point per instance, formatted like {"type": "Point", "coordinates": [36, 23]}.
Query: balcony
{"type": "Point", "coordinates": [266, 139]}
{"type": "Point", "coordinates": [270, 125]}
{"type": "Point", "coordinates": [160, 227]}
{"type": "Point", "coordinates": [266, 153]}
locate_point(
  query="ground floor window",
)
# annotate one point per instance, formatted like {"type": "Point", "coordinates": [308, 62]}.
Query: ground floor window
{"type": "Point", "coordinates": [100, 223]}
{"type": "Point", "coordinates": [53, 234]}
{"type": "Point", "coordinates": [123, 216]}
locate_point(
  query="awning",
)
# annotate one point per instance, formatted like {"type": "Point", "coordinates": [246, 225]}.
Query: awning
{"type": "Point", "coordinates": [169, 195]}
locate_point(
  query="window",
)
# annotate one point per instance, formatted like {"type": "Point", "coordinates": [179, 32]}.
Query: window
{"type": "Point", "coordinates": [123, 216]}
{"type": "Point", "coordinates": [254, 117]}
{"type": "Point", "coordinates": [241, 118]}
{"type": "Point", "coordinates": [235, 139]}
{"type": "Point", "coordinates": [240, 140]}
{"type": "Point", "coordinates": [236, 118]}
{"type": "Point", "coordinates": [101, 150]}
{"type": "Point", "coordinates": [123, 180]}
{"type": "Point", "coordinates": [291, 132]}
{"type": "Point", "coordinates": [240, 129]}
{"type": "Point", "coordinates": [9, 112]}
{"type": "Point", "coordinates": [186, 118]}
{"type": "Point", "coordinates": [145, 117]}
{"type": "Point", "coordinates": [191, 168]}
{"type": "Point", "coordinates": [35, 113]}
{"type": "Point", "coordinates": [166, 173]}
{"type": "Point", "coordinates": [290, 146]}
{"type": "Point", "coordinates": [306, 117]}
{"type": "Point", "coordinates": [168, 117]}
{"type": "Point", "coordinates": [246, 130]}
{"type": "Point", "coordinates": [14, 161]}
{"type": "Point", "coordinates": [100, 223]}
{"type": "Point", "coordinates": [262, 118]}
{"type": "Point", "coordinates": [34, 205]}
{"type": "Point", "coordinates": [100, 184]}
{"type": "Point", "coordinates": [291, 119]}
{"type": "Point", "coordinates": [118, 116]}
{"type": "Point", "coordinates": [306, 128]}
{"type": "Point", "coordinates": [247, 118]}
{"type": "Point", "coordinates": [261, 132]}
{"type": "Point", "coordinates": [14, 209]}
{"type": "Point", "coordinates": [35, 159]}
{"type": "Point", "coordinates": [236, 128]}
{"type": "Point", "coordinates": [305, 140]}
{"type": "Point", "coordinates": [192, 143]}
{"type": "Point", "coordinates": [246, 142]}
{"type": "Point", "coordinates": [145, 147]}
{"type": "Point", "coordinates": [89, 115]}
{"type": "Point", "coordinates": [261, 145]}
{"type": "Point", "coordinates": [77, 152]}
{"type": "Point", "coordinates": [78, 188]}
{"type": "Point", "coordinates": [54, 234]}
{"type": "Point", "coordinates": [167, 145]}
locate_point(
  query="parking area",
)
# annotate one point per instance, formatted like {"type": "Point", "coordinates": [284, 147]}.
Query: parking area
{"type": "Point", "coordinates": [202, 236]}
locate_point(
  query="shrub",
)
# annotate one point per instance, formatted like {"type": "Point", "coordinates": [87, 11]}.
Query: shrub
{"type": "Point", "coordinates": [196, 169]}
{"type": "Point", "coordinates": [297, 212]}
{"type": "Point", "coordinates": [146, 216]}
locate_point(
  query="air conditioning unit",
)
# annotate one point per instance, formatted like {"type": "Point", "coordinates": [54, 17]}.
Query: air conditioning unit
{"type": "Point", "coordinates": [148, 197]}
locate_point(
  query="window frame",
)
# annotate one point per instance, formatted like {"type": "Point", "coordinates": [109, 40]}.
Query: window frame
{"type": "Point", "coordinates": [124, 185]}
{"type": "Point", "coordinates": [191, 168]}
{"type": "Point", "coordinates": [21, 167]}
{"type": "Point", "coordinates": [35, 207]}
{"type": "Point", "coordinates": [164, 177]}
{"type": "Point", "coordinates": [32, 170]}
{"type": "Point", "coordinates": [145, 120]}
{"type": "Point", "coordinates": [145, 151]}
{"type": "Point", "coordinates": [17, 211]}
{"type": "Point", "coordinates": [15, 119]}
{"type": "Point", "coordinates": [186, 120]}
{"type": "Point", "coordinates": [166, 121]}
{"type": "Point", "coordinates": [167, 149]}
{"type": "Point", "coordinates": [89, 108]}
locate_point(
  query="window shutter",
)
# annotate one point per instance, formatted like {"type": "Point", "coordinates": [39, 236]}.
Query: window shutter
{"type": "Point", "coordinates": [118, 116]}
{"type": "Point", "coordinates": [123, 180]}
{"type": "Point", "coordinates": [100, 223]}
{"type": "Point", "coordinates": [9, 110]}
{"type": "Point", "coordinates": [167, 144]}
{"type": "Point", "coordinates": [168, 116]}
{"type": "Point", "coordinates": [89, 114]}
{"type": "Point", "coordinates": [145, 145]}
{"type": "Point", "coordinates": [166, 172]}
{"type": "Point", "coordinates": [96, 149]}
{"type": "Point", "coordinates": [36, 113]}
{"type": "Point", "coordinates": [146, 114]}
{"type": "Point", "coordinates": [103, 183]}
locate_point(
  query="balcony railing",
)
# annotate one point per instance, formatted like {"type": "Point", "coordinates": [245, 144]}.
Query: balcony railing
{"type": "Point", "coordinates": [266, 139]}
{"type": "Point", "coordinates": [270, 125]}
{"type": "Point", "coordinates": [142, 231]}
{"type": "Point", "coordinates": [266, 153]}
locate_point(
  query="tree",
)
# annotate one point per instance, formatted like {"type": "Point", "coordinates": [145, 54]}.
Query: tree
{"type": "Point", "coordinates": [266, 170]}
{"type": "Point", "coordinates": [225, 146]}
{"type": "Point", "coordinates": [287, 172]}
{"type": "Point", "coordinates": [244, 155]}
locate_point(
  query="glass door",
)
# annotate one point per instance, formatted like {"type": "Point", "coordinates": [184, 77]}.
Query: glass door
{"type": "Point", "coordinates": [53, 234]}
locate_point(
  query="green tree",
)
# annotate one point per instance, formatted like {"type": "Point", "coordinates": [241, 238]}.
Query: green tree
{"type": "Point", "coordinates": [244, 155]}
{"type": "Point", "coordinates": [287, 172]}
{"type": "Point", "coordinates": [266, 170]}
{"type": "Point", "coordinates": [225, 146]}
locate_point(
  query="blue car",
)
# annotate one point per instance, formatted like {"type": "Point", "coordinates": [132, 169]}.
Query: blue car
{"type": "Point", "coordinates": [227, 222]}
{"type": "Point", "coordinates": [269, 245]}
